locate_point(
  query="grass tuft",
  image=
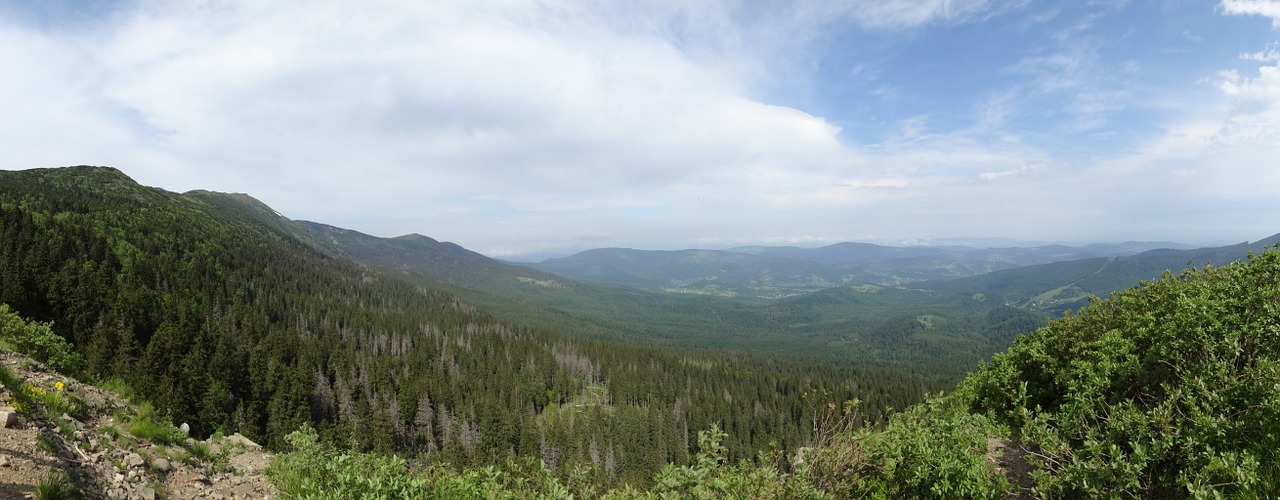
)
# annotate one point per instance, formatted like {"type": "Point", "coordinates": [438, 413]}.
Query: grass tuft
{"type": "Point", "coordinates": [57, 486]}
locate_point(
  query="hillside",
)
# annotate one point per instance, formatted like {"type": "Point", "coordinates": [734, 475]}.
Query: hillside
{"type": "Point", "coordinates": [230, 318]}
{"type": "Point", "coordinates": [1064, 286]}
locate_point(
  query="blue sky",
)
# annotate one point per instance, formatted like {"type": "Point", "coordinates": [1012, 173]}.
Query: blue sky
{"type": "Point", "coordinates": [534, 127]}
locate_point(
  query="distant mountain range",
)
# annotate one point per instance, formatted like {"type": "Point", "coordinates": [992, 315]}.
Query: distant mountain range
{"type": "Point", "coordinates": [1067, 285]}
{"type": "Point", "coordinates": [772, 272]}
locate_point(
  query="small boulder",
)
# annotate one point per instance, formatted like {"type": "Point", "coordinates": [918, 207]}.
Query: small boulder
{"type": "Point", "coordinates": [244, 491]}
{"type": "Point", "coordinates": [186, 429]}
{"type": "Point", "coordinates": [134, 460]}
{"type": "Point", "coordinates": [8, 419]}
{"type": "Point", "coordinates": [161, 465]}
{"type": "Point", "coordinates": [248, 444]}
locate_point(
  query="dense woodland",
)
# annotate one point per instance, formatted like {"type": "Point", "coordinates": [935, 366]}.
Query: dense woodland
{"type": "Point", "coordinates": [226, 319]}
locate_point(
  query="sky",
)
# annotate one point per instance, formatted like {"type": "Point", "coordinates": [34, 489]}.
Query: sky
{"type": "Point", "coordinates": [540, 127]}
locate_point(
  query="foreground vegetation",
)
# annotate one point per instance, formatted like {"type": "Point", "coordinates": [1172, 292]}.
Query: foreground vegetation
{"type": "Point", "coordinates": [1166, 390]}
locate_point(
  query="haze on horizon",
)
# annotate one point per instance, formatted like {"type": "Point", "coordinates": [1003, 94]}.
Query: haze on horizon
{"type": "Point", "coordinates": [519, 128]}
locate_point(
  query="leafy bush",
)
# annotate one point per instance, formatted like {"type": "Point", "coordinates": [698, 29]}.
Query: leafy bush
{"type": "Point", "coordinates": [315, 470]}
{"type": "Point", "coordinates": [38, 341]}
{"type": "Point", "coordinates": [935, 449]}
{"type": "Point", "coordinates": [1165, 390]}
{"type": "Point", "coordinates": [711, 477]}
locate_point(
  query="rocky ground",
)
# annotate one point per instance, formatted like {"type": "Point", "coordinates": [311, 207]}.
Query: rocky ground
{"type": "Point", "coordinates": [92, 442]}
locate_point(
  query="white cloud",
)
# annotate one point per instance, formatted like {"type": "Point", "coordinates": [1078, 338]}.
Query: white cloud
{"type": "Point", "coordinates": [1254, 114]}
{"type": "Point", "coordinates": [1270, 54]}
{"type": "Point", "coordinates": [450, 98]}
{"type": "Point", "coordinates": [1091, 88]}
{"type": "Point", "coordinates": [509, 125]}
{"type": "Point", "coordinates": [1265, 8]}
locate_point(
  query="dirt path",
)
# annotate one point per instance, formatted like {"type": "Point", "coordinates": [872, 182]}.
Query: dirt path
{"type": "Point", "coordinates": [1010, 459]}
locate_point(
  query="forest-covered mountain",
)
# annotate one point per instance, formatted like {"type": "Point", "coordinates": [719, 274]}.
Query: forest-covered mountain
{"type": "Point", "coordinates": [937, 335]}
{"type": "Point", "coordinates": [229, 316]}
{"type": "Point", "coordinates": [772, 272]}
{"type": "Point", "coordinates": [1066, 286]}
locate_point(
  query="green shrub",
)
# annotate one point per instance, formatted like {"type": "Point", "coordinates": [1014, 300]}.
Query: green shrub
{"type": "Point", "coordinates": [38, 341]}
{"type": "Point", "coordinates": [711, 477]}
{"type": "Point", "coordinates": [935, 449]}
{"type": "Point", "coordinates": [1165, 390]}
{"type": "Point", "coordinates": [314, 470]}
{"type": "Point", "coordinates": [147, 425]}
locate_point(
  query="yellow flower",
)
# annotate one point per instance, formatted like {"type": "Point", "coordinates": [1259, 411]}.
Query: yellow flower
{"type": "Point", "coordinates": [58, 385]}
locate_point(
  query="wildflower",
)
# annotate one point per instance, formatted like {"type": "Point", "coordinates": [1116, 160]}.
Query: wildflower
{"type": "Point", "coordinates": [58, 385]}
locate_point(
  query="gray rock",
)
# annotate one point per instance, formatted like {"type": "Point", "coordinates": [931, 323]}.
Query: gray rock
{"type": "Point", "coordinates": [186, 429]}
{"type": "Point", "coordinates": [148, 494]}
{"type": "Point", "coordinates": [244, 490]}
{"type": "Point", "coordinates": [8, 419]}
{"type": "Point", "coordinates": [71, 420]}
{"type": "Point", "coordinates": [134, 460]}
{"type": "Point", "coordinates": [248, 444]}
{"type": "Point", "coordinates": [161, 465]}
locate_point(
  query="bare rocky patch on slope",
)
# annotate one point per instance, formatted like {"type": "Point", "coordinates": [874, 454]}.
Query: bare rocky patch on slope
{"type": "Point", "coordinates": [109, 447]}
